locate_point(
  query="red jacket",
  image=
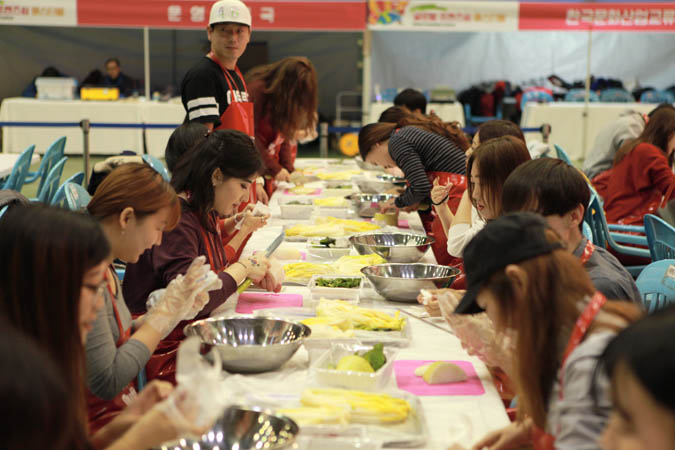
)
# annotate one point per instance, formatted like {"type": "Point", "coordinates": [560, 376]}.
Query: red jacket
{"type": "Point", "coordinates": [637, 185]}
{"type": "Point", "coordinates": [266, 135]}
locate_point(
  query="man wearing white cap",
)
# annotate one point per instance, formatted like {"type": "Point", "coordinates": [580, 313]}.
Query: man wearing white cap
{"type": "Point", "coordinates": [213, 91]}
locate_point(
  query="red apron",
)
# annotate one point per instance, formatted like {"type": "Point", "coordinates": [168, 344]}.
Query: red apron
{"type": "Point", "coordinates": [101, 411]}
{"type": "Point", "coordinates": [432, 223]}
{"type": "Point", "coordinates": [274, 150]}
{"type": "Point", "coordinates": [540, 439]}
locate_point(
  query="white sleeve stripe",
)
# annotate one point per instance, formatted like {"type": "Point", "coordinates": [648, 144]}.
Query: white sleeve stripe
{"type": "Point", "coordinates": [202, 112]}
{"type": "Point", "coordinates": [202, 101]}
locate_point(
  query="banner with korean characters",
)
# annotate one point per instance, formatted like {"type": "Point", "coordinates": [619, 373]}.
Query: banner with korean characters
{"type": "Point", "coordinates": [443, 15]}
{"type": "Point", "coordinates": [335, 15]}
{"type": "Point", "coordinates": [647, 16]}
{"type": "Point", "coordinates": [38, 12]}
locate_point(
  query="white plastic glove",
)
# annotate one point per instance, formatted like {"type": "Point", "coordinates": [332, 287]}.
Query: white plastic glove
{"type": "Point", "coordinates": [193, 406]}
{"type": "Point", "coordinates": [180, 300]}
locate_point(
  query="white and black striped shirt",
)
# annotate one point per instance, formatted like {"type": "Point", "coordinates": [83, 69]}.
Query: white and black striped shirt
{"type": "Point", "coordinates": [417, 152]}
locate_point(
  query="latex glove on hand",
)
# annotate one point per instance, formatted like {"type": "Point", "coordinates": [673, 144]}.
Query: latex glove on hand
{"type": "Point", "coordinates": [274, 276]}
{"type": "Point", "coordinates": [439, 192]}
{"type": "Point", "coordinates": [283, 175]}
{"type": "Point", "coordinates": [261, 195]}
{"type": "Point", "coordinates": [251, 222]}
{"type": "Point", "coordinates": [178, 302]}
{"type": "Point", "coordinates": [256, 267]}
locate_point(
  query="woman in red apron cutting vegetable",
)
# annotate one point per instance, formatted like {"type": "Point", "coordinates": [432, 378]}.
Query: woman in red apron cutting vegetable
{"type": "Point", "coordinates": [52, 293]}
{"type": "Point", "coordinates": [423, 149]}
{"type": "Point", "coordinates": [134, 206]}
{"type": "Point", "coordinates": [285, 97]}
{"type": "Point", "coordinates": [520, 274]}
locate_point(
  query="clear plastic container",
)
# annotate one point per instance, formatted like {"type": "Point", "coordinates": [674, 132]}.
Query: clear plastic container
{"type": "Point", "coordinates": [348, 294]}
{"type": "Point", "coordinates": [317, 251]}
{"type": "Point", "coordinates": [322, 369]}
{"type": "Point", "coordinates": [290, 210]}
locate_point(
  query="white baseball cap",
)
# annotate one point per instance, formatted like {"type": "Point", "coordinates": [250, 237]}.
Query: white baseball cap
{"type": "Point", "coordinates": [234, 11]}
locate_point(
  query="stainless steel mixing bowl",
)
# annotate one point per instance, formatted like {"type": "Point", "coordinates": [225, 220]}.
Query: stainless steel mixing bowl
{"type": "Point", "coordinates": [366, 205]}
{"type": "Point", "coordinates": [403, 282]}
{"type": "Point", "coordinates": [244, 428]}
{"type": "Point", "coordinates": [249, 344]}
{"type": "Point", "coordinates": [394, 247]}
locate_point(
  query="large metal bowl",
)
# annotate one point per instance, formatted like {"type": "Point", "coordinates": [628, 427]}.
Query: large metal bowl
{"type": "Point", "coordinates": [394, 247]}
{"type": "Point", "coordinates": [243, 428]}
{"type": "Point", "coordinates": [249, 344]}
{"type": "Point", "coordinates": [366, 205]}
{"type": "Point", "coordinates": [403, 282]}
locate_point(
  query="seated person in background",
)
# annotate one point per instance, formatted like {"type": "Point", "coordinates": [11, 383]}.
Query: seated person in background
{"type": "Point", "coordinates": [115, 78]}
{"type": "Point", "coordinates": [639, 362]}
{"type": "Point", "coordinates": [103, 168]}
{"type": "Point", "coordinates": [628, 126]}
{"type": "Point", "coordinates": [560, 193]}
{"type": "Point", "coordinates": [642, 173]}
{"type": "Point", "coordinates": [533, 289]}
{"type": "Point", "coordinates": [31, 89]}
{"type": "Point", "coordinates": [211, 184]}
{"type": "Point", "coordinates": [394, 114]}
{"type": "Point", "coordinates": [182, 140]}
{"type": "Point", "coordinates": [412, 99]}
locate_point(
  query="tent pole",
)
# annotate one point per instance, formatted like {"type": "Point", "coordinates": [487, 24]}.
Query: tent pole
{"type": "Point", "coordinates": [365, 89]}
{"type": "Point", "coordinates": [587, 93]}
{"type": "Point", "coordinates": [146, 61]}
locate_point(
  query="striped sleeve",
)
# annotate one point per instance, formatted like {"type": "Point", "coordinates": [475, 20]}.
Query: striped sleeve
{"type": "Point", "coordinates": [200, 96]}
{"type": "Point", "coordinates": [202, 107]}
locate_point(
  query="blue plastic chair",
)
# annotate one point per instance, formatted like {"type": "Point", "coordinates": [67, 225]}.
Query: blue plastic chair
{"type": "Point", "coordinates": [59, 197]}
{"type": "Point", "coordinates": [51, 182]}
{"type": "Point", "coordinates": [470, 119]}
{"type": "Point", "coordinates": [562, 154]}
{"type": "Point", "coordinates": [656, 96]}
{"type": "Point", "coordinates": [77, 198]}
{"type": "Point", "coordinates": [602, 237]}
{"type": "Point", "coordinates": [158, 166]}
{"type": "Point", "coordinates": [656, 284]}
{"type": "Point", "coordinates": [52, 155]}
{"type": "Point", "coordinates": [579, 95]}
{"type": "Point", "coordinates": [17, 178]}
{"type": "Point", "coordinates": [616, 95]}
{"type": "Point", "coordinates": [660, 237]}
{"type": "Point", "coordinates": [534, 96]}
{"type": "Point", "coordinates": [588, 232]}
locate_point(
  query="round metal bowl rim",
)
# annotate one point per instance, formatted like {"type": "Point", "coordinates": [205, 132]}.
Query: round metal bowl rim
{"type": "Point", "coordinates": [364, 271]}
{"type": "Point", "coordinates": [307, 331]}
{"type": "Point", "coordinates": [266, 411]}
{"type": "Point", "coordinates": [430, 241]}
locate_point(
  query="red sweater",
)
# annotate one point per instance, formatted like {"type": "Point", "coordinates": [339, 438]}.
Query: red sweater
{"type": "Point", "coordinates": [265, 134]}
{"type": "Point", "coordinates": [637, 185]}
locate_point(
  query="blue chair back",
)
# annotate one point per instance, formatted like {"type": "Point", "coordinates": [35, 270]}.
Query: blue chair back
{"type": "Point", "coordinates": [656, 284]}
{"type": "Point", "coordinates": [52, 155]}
{"type": "Point", "coordinates": [51, 182]}
{"type": "Point", "coordinates": [17, 178]}
{"type": "Point", "coordinates": [158, 166]}
{"type": "Point", "coordinates": [588, 232]}
{"type": "Point", "coordinates": [562, 154]}
{"type": "Point", "coordinates": [535, 96]}
{"type": "Point", "coordinates": [656, 96]}
{"type": "Point", "coordinates": [59, 197]}
{"type": "Point", "coordinates": [471, 119]}
{"type": "Point", "coordinates": [77, 198]}
{"type": "Point", "coordinates": [616, 95]}
{"type": "Point", "coordinates": [660, 237]}
{"type": "Point", "coordinates": [579, 95]}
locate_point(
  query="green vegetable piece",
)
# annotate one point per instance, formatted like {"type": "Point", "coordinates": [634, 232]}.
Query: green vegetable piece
{"type": "Point", "coordinates": [338, 282]}
{"type": "Point", "coordinates": [327, 242]}
{"type": "Point", "coordinates": [376, 356]}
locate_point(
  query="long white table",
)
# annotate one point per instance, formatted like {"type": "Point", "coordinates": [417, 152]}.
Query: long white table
{"type": "Point", "coordinates": [449, 112]}
{"type": "Point", "coordinates": [102, 141]}
{"type": "Point", "coordinates": [567, 119]}
{"type": "Point", "coordinates": [7, 163]}
{"type": "Point", "coordinates": [450, 419]}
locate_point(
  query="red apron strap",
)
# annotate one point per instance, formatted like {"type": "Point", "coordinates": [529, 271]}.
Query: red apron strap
{"type": "Point", "coordinates": [124, 334]}
{"type": "Point", "coordinates": [588, 252]}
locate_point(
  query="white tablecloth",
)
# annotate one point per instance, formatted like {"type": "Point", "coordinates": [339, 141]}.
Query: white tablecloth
{"type": "Point", "coordinates": [7, 163]}
{"type": "Point", "coordinates": [431, 340]}
{"type": "Point", "coordinates": [449, 112]}
{"type": "Point", "coordinates": [102, 141]}
{"type": "Point", "coordinates": [566, 120]}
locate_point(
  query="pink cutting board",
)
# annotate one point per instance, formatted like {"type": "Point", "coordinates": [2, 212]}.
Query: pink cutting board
{"type": "Point", "coordinates": [408, 381]}
{"type": "Point", "coordinates": [251, 301]}
{"type": "Point", "coordinates": [316, 191]}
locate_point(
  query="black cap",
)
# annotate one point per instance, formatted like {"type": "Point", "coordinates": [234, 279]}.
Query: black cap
{"type": "Point", "coordinates": [507, 240]}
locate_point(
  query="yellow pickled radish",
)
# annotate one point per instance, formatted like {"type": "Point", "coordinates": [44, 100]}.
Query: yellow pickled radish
{"type": "Point", "coordinates": [442, 372]}
{"type": "Point", "coordinates": [421, 369]}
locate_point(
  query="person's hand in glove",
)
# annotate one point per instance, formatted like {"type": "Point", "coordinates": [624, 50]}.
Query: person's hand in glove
{"type": "Point", "coordinates": [183, 299]}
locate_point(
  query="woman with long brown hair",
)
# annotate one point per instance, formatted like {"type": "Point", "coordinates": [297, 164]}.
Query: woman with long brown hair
{"type": "Point", "coordinates": [642, 173]}
{"type": "Point", "coordinates": [532, 289]}
{"type": "Point", "coordinates": [285, 97]}
{"type": "Point", "coordinates": [51, 291]}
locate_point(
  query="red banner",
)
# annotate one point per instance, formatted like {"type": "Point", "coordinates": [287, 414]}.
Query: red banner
{"type": "Point", "coordinates": [267, 15]}
{"type": "Point", "coordinates": [597, 16]}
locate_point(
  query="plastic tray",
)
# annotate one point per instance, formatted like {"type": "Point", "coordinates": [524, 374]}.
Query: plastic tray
{"type": "Point", "coordinates": [325, 375]}
{"type": "Point", "coordinates": [348, 294]}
